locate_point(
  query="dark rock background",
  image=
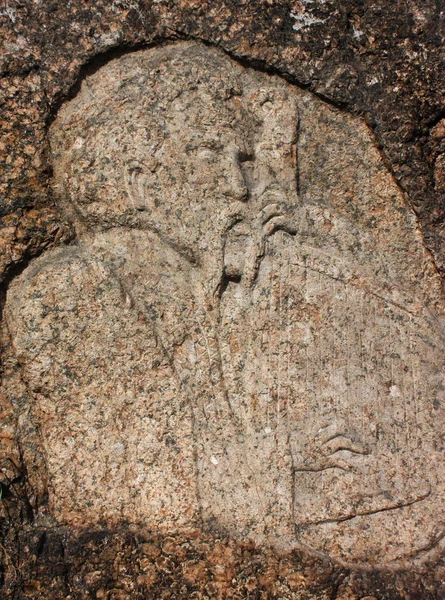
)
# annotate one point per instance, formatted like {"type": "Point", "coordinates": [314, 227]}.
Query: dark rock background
{"type": "Point", "coordinates": [382, 59]}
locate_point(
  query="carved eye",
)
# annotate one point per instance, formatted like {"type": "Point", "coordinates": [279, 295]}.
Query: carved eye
{"type": "Point", "coordinates": [206, 154]}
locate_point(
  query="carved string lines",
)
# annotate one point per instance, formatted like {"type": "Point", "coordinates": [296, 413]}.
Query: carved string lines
{"type": "Point", "coordinates": [406, 416]}
{"type": "Point", "coordinates": [416, 407]}
{"type": "Point", "coordinates": [291, 400]}
{"type": "Point", "coordinates": [307, 337]}
{"type": "Point", "coordinates": [270, 245]}
{"type": "Point", "coordinates": [348, 360]}
{"type": "Point", "coordinates": [394, 396]}
{"type": "Point", "coordinates": [369, 393]}
{"type": "Point", "coordinates": [393, 386]}
{"type": "Point", "coordinates": [322, 397]}
{"type": "Point", "coordinates": [378, 394]}
{"type": "Point", "coordinates": [334, 349]}
{"type": "Point", "coordinates": [280, 244]}
{"type": "Point", "coordinates": [288, 339]}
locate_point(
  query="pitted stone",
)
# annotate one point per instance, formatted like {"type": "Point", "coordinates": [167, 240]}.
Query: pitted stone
{"type": "Point", "coordinates": [247, 334]}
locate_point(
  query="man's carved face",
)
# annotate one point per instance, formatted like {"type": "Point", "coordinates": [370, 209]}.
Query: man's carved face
{"type": "Point", "coordinates": [225, 175]}
{"type": "Point", "coordinates": [201, 183]}
{"type": "Point", "coordinates": [205, 161]}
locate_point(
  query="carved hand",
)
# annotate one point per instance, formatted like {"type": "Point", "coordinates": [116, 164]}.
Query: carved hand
{"type": "Point", "coordinates": [271, 218]}
{"type": "Point", "coordinates": [323, 444]}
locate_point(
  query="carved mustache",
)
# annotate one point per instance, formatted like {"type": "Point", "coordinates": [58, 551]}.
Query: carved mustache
{"type": "Point", "coordinates": [248, 237]}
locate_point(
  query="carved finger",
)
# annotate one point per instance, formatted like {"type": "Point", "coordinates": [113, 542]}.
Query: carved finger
{"type": "Point", "coordinates": [343, 443]}
{"type": "Point", "coordinates": [271, 210]}
{"type": "Point", "coordinates": [282, 222]}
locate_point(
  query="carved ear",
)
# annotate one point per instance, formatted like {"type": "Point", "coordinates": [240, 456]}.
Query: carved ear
{"type": "Point", "coordinates": [135, 179]}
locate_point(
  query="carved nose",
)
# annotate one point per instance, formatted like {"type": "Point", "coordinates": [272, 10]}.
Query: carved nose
{"type": "Point", "coordinates": [236, 186]}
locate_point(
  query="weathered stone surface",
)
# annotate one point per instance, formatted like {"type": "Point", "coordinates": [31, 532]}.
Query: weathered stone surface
{"type": "Point", "coordinates": [116, 564]}
{"type": "Point", "coordinates": [246, 335]}
{"type": "Point", "coordinates": [358, 58]}
{"type": "Point", "coordinates": [382, 59]}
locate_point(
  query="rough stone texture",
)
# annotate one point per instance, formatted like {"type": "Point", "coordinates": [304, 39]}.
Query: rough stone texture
{"type": "Point", "coordinates": [123, 565]}
{"type": "Point", "coordinates": [337, 50]}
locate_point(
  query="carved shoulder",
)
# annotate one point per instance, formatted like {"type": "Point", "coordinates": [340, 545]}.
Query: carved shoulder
{"type": "Point", "coordinates": [43, 294]}
{"type": "Point", "coordinates": [67, 310]}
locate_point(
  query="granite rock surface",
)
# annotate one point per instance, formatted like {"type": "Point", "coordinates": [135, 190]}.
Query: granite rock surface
{"type": "Point", "coordinates": [234, 325]}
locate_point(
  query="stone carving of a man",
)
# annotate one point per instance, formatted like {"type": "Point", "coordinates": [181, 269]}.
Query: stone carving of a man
{"type": "Point", "coordinates": [118, 333]}
{"type": "Point", "coordinates": [200, 354]}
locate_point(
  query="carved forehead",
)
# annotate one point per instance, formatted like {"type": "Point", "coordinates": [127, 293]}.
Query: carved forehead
{"type": "Point", "coordinates": [139, 88]}
{"type": "Point", "coordinates": [185, 84]}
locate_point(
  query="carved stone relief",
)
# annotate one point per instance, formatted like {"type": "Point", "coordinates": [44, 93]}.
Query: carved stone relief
{"type": "Point", "coordinates": [247, 334]}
